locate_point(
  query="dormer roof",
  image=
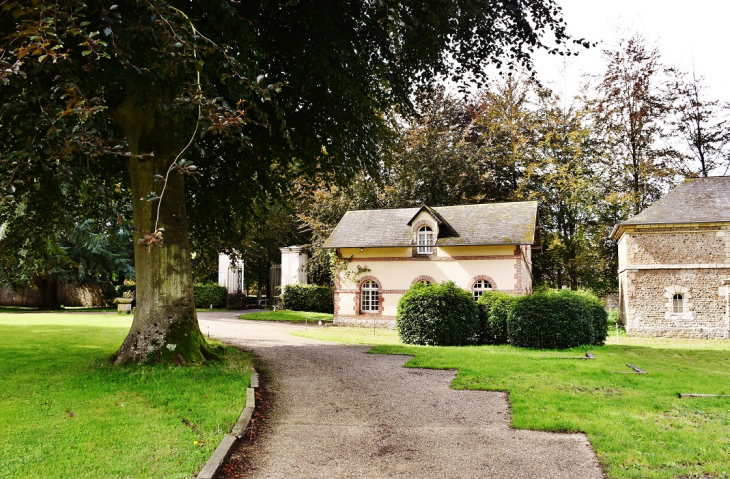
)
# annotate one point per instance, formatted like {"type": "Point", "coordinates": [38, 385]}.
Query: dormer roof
{"type": "Point", "coordinates": [466, 225]}
{"type": "Point", "coordinates": [430, 211]}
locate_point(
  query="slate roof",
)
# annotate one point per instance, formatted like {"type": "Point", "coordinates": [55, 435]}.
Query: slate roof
{"type": "Point", "coordinates": [467, 225]}
{"type": "Point", "coordinates": [697, 200]}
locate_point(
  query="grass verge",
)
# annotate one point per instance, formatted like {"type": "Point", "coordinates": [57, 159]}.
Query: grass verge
{"type": "Point", "coordinates": [65, 412]}
{"type": "Point", "coordinates": [637, 424]}
{"type": "Point", "coordinates": [287, 316]}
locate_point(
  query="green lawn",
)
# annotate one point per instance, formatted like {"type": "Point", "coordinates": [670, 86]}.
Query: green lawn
{"type": "Point", "coordinates": [65, 412]}
{"type": "Point", "coordinates": [636, 423]}
{"type": "Point", "coordinates": [75, 309]}
{"type": "Point", "coordinates": [287, 316]}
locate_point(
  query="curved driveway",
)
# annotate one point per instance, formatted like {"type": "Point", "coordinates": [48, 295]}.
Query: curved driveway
{"type": "Point", "coordinates": [339, 412]}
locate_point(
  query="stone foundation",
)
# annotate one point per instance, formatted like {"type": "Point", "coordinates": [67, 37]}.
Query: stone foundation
{"type": "Point", "coordinates": [383, 322]}
{"type": "Point", "coordinates": [678, 333]}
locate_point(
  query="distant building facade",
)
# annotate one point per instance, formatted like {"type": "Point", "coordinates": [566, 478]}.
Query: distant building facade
{"type": "Point", "coordinates": [383, 252]}
{"type": "Point", "coordinates": [674, 263]}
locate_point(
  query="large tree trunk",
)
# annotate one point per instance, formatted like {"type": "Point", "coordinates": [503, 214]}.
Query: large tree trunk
{"type": "Point", "coordinates": [48, 287]}
{"type": "Point", "coordinates": [165, 326]}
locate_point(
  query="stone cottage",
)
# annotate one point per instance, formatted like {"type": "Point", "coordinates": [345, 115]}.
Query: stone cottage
{"type": "Point", "coordinates": [383, 252]}
{"type": "Point", "coordinates": [674, 263]}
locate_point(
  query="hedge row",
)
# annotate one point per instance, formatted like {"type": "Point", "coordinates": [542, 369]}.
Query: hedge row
{"type": "Point", "coordinates": [210, 294]}
{"type": "Point", "coordinates": [438, 314]}
{"type": "Point", "coordinates": [494, 309]}
{"type": "Point", "coordinates": [307, 297]}
{"type": "Point", "coordinates": [557, 320]}
{"type": "Point", "coordinates": [552, 319]}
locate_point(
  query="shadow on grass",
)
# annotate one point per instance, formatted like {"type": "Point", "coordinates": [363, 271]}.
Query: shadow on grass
{"type": "Point", "coordinates": [65, 411]}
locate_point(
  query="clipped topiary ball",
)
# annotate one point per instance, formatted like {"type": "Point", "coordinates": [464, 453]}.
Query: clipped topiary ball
{"type": "Point", "coordinates": [438, 314]}
{"type": "Point", "coordinates": [599, 316]}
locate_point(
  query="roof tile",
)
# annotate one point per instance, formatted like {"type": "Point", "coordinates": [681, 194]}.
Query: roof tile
{"type": "Point", "coordinates": [697, 200]}
{"type": "Point", "coordinates": [465, 225]}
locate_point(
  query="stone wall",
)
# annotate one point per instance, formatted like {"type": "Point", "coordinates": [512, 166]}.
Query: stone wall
{"type": "Point", "coordinates": [364, 322]}
{"type": "Point", "coordinates": [649, 303]}
{"type": "Point", "coordinates": [675, 247]}
{"type": "Point", "coordinates": [24, 296]}
{"type": "Point", "coordinates": [610, 300]}
{"type": "Point", "coordinates": [68, 295]}
{"type": "Point", "coordinates": [662, 261]}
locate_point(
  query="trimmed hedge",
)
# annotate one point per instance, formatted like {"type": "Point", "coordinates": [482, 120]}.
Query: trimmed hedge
{"type": "Point", "coordinates": [438, 314]}
{"type": "Point", "coordinates": [555, 320]}
{"type": "Point", "coordinates": [494, 308]}
{"type": "Point", "coordinates": [307, 297]}
{"type": "Point", "coordinates": [207, 294]}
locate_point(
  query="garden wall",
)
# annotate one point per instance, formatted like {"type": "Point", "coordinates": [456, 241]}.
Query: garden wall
{"type": "Point", "coordinates": [68, 295]}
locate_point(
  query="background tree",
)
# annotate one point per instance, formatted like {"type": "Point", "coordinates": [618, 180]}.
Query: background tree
{"type": "Point", "coordinates": [255, 93]}
{"type": "Point", "coordinates": [77, 239]}
{"type": "Point", "coordinates": [505, 133]}
{"type": "Point", "coordinates": [630, 111]}
{"type": "Point", "coordinates": [565, 178]}
{"type": "Point", "coordinates": [701, 124]}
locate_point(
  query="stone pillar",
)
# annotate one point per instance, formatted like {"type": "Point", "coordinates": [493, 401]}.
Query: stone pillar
{"type": "Point", "coordinates": [224, 263]}
{"type": "Point", "coordinates": [230, 274]}
{"type": "Point", "coordinates": [293, 262]}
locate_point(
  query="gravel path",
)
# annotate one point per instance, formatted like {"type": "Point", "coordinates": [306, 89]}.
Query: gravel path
{"type": "Point", "coordinates": [338, 412]}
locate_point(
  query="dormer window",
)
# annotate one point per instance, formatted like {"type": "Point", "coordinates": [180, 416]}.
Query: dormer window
{"type": "Point", "coordinates": [425, 240]}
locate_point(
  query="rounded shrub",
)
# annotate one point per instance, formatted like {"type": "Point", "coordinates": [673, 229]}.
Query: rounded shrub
{"type": "Point", "coordinates": [494, 308]}
{"type": "Point", "coordinates": [438, 314]}
{"type": "Point", "coordinates": [550, 320]}
{"type": "Point", "coordinates": [599, 316]}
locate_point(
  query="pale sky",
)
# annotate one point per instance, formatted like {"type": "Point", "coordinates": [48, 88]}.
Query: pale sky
{"type": "Point", "coordinates": [686, 32]}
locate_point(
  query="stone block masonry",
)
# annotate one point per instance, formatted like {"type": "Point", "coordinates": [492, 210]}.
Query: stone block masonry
{"type": "Point", "coordinates": [674, 282]}
{"type": "Point", "coordinates": [650, 310]}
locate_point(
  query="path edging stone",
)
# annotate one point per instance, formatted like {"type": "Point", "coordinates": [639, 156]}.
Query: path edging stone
{"type": "Point", "coordinates": [221, 453]}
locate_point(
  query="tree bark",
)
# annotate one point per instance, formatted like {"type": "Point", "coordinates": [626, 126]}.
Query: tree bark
{"type": "Point", "coordinates": [165, 326]}
{"type": "Point", "coordinates": [48, 287]}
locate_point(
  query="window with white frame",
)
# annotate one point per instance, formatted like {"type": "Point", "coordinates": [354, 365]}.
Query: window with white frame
{"type": "Point", "coordinates": [480, 287]}
{"type": "Point", "coordinates": [425, 240]}
{"type": "Point", "coordinates": [369, 297]}
{"type": "Point", "coordinates": [678, 304]}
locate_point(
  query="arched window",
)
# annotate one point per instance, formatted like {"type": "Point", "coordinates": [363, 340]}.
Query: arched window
{"type": "Point", "coordinates": [369, 297]}
{"type": "Point", "coordinates": [425, 240]}
{"type": "Point", "coordinates": [480, 287]}
{"type": "Point", "coordinates": [678, 304]}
